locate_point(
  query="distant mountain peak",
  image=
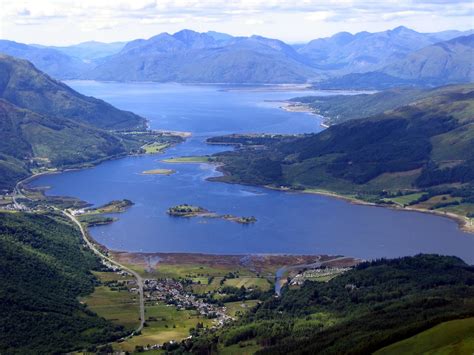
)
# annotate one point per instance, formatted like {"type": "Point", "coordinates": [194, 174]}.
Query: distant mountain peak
{"type": "Point", "coordinates": [402, 29]}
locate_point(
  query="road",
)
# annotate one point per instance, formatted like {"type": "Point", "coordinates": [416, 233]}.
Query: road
{"type": "Point", "coordinates": [281, 271]}
{"type": "Point", "coordinates": [113, 262]}
{"type": "Point", "coordinates": [18, 194]}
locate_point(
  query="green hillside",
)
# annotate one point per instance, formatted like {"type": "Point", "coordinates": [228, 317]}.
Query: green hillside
{"type": "Point", "coordinates": [427, 145]}
{"type": "Point", "coordinates": [43, 270]}
{"type": "Point", "coordinates": [376, 304]}
{"type": "Point", "coordinates": [25, 86]}
{"type": "Point", "coordinates": [44, 124]}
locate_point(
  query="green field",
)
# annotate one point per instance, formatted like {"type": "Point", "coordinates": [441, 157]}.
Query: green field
{"type": "Point", "coordinates": [154, 148]}
{"type": "Point", "coordinates": [406, 199]}
{"type": "Point", "coordinates": [249, 282]}
{"type": "Point", "coordinates": [453, 337]}
{"type": "Point", "coordinates": [120, 307]}
{"type": "Point", "coordinates": [233, 308]}
{"type": "Point", "coordinates": [164, 323]}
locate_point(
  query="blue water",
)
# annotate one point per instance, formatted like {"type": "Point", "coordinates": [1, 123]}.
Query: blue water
{"type": "Point", "coordinates": [287, 222]}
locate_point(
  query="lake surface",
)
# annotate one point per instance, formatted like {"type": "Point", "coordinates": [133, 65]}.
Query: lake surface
{"type": "Point", "coordinates": [287, 222]}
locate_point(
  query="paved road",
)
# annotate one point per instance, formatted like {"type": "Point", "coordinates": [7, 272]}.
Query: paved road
{"type": "Point", "coordinates": [18, 194]}
{"type": "Point", "coordinates": [113, 262]}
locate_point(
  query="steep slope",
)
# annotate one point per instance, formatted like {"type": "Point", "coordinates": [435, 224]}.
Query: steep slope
{"type": "Point", "coordinates": [28, 135]}
{"type": "Point", "coordinates": [56, 63]}
{"type": "Point", "coordinates": [44, 125]}
{"type": "Point", "coordinates": [452, 61]}
{"type": "Point", "coordinates": [438, 64]}
{"type": "Point", "coordinates": [27, 87]}
{"type": "Point", "coordinates": [43, 270]}
{"type": "Point", "coordinates": [189, 56]}
{"type": "Point", "coordinates": [364, 51]}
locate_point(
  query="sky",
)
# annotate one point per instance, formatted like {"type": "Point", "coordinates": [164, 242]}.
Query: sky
{"type": "Point", "coordinates": [64, 22]}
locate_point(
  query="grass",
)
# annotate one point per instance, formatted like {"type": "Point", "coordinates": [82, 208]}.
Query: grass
{"type": "Point", "coordinates": [190, 159]}
{"type": "Point", "coordinates": [159, 172]}
{"type": "Point", "coordinates": [463, 209]}
{"type": "Point", "coordinates": [154, 148]}
{"type": "Point", "coordinates": [164, 323]}
{"type": "Point", "coordinates": [453, 337]}
{"type": "Point", "coordinates": [249, 282]}
{"type": "Point", "coordinates": [233, 308]}
{"type": "Point", "coordinates": [406, 199]}
{"type": "Point", "coordinates": [120, 307]}
{"type": "Point", "coordinates": [195, 270]}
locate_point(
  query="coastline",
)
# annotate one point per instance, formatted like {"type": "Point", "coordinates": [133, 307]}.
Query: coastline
{"type": "Point", "coordinates": [94, 163]}
{"type": "Point", "coordinates": [295, 106]}
{"type": "Point", "coordinates": [464, 224]}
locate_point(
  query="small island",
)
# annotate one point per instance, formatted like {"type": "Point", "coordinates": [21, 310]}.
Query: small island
{"type": "Point", "coordinates": [159, 172]}
{"type": "Point", "coordinates": [188, 211]}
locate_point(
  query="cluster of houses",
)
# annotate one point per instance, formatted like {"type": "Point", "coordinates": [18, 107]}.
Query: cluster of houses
{"type": "Point", "coordinates": [314, 274]}
{"type": "Point", "coordinates": [172, 292]}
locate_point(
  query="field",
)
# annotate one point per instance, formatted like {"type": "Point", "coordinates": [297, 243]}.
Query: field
{"type": "Point", "coordinates": [120, 307]}
{"type": "Point", "coordinates": [233, 308]}
{"type": "Point", "coordinates": [406, 199]}
{"type": "Point", "coordinates": [154, 148]}
{"type": "Point", "coordinates": [249, 282]}
{"type": "Point", "coordinates": [164, 323]}
{"type": "Point", "coordinates": [453, 337]}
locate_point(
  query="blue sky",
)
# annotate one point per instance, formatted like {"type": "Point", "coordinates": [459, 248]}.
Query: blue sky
{"type": "Point", "coordinates": [62, 22]}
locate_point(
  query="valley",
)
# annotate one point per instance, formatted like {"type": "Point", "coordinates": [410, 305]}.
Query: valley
{"type": "Point", "coordinates": [197, 192]}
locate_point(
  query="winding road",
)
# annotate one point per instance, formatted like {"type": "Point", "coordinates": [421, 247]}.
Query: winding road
{"type": "Point", "coordinates": [113, 262]}
{"type": "Point", "coordinates": [18, 194]}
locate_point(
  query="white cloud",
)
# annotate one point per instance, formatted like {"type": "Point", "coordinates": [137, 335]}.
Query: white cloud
{"type": "Point", "coordinates": [274, 18]}
{"type": "Point", "coordinates": [319, 15]}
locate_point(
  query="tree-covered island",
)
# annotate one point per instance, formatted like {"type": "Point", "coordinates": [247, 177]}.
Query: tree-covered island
{"type": "Point", "coordinates": [186, 210]}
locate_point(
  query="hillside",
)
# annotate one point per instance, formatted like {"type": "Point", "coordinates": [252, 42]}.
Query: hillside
{"type": "Point", "coordinates": [426, 146]}
{"type": "Point", "coordinates": [50, 60]}
{"type": "Point", "coordinates": [90, 51]}
{"type": "Point", "coordinates": [43, 270]}
{"type": "Point", "coordinates": [447, 61]}
{"type": "Point", "coordinates": [28, 135]}
{"type": "Point", "coordinates": [375, 304]}
{"type": "Point", "coordinates": [438, 64]}
{"type": "Point", "coordinates": [361, 52]}
{"type": "Point", "coordinates": [340, 108]}
{"type": "Point", "coordinates": [188, 56]}
{"type": "Point", "coordinates": [44, 125]}
{"type": "Point", "coordinates": [25, 86]}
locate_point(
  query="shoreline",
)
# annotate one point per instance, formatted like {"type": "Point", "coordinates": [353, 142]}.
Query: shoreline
{"type": "Point", "coordinates": [295, 106]}
{"type": "Point", "coordinates": [94, 163]}
{"type": "Point", "coordinates": [464, 224]}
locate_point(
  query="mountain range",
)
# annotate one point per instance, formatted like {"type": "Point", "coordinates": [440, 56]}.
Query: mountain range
{"type": "Point", "coordinates": [389, 58]}
{"type": "Point", "coordinates": [443, 62]}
